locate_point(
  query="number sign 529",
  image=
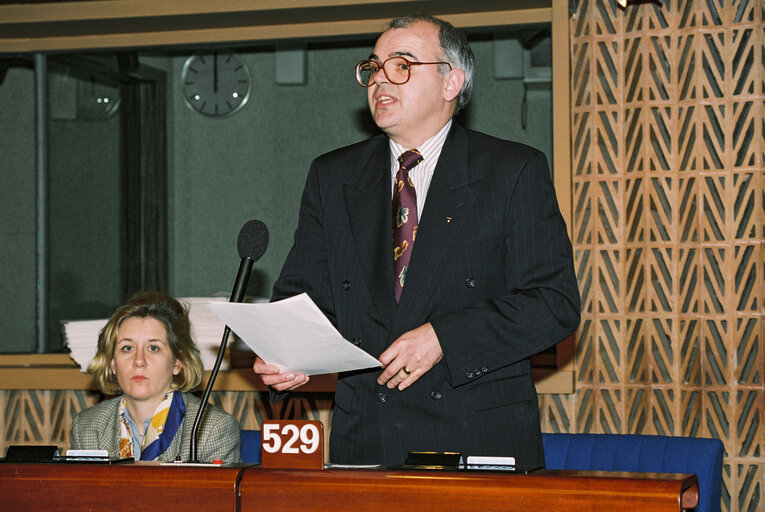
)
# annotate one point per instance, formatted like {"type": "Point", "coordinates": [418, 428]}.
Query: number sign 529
{"type": "Point", "coordinates": [292, 444]}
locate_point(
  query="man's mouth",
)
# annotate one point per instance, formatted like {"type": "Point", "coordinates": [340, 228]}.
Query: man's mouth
{"type": "Point", "coordinates": [384, 99]}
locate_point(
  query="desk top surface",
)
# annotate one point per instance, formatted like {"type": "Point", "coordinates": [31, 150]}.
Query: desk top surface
{"type": "Point", "coordinates": [242, 487]}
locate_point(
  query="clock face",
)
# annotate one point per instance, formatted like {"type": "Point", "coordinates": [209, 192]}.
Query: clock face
{"type": "Point", "coordinates": [215, 84]}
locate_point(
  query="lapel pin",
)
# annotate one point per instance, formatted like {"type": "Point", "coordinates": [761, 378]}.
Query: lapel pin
{"type": "Point", "coordinates": [448, 219]}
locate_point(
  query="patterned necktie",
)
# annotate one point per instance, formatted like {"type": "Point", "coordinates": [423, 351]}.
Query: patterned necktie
{"type": "Point", "coordinates": [404, 217]}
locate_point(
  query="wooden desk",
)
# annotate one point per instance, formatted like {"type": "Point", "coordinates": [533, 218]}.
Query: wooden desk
{"type": "Point", "coordinates": [146, 486]}
{"type": "Point", "coordinates": [403, 491]}
{"type": "Point", "coordinates": [150, 486]}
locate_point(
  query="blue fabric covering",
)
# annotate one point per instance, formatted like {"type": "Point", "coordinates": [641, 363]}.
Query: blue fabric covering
{"type": "Point", "coordinates": [642, 453]}
{"type": "Point", "coordinates": [251, 446]}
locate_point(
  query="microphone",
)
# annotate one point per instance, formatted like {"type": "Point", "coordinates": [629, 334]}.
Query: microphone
{"type": "Point", "coordinates": [251, 244]}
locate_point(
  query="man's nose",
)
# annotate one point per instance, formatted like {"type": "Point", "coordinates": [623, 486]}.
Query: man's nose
{"type": "Point", "coordinates": [380, 77]}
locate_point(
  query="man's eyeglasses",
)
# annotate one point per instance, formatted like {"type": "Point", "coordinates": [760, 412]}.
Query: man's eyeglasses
{"type": "Point", "coordinates": [396, 69]}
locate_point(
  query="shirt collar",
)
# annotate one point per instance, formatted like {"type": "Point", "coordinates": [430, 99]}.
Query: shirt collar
{"type": "Point", "coordinates": [429, 149]}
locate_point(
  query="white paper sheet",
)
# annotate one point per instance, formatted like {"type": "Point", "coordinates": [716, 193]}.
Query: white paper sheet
{"type": "Point", "coordinates": [294, 335]}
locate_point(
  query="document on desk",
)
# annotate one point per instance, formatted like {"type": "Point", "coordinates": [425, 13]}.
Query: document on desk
{"type": "Point", "coordinates": [294, 335]}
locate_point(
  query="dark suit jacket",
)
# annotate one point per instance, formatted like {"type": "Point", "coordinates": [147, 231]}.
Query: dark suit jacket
{"type": "Point", "coordinates": [98, 428]}
{"type": "Point", "coordinates": [491, 270]}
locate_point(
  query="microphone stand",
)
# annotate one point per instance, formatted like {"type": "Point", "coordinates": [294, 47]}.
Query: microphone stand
{"type": "Point", "coordinates": [237, 295]}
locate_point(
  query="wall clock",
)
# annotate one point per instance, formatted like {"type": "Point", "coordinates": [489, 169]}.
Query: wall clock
{"type": "Point", "coordinates": [216, 84]}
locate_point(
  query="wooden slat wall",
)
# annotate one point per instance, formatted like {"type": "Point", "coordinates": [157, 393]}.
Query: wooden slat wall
{"type": "Point", "coordinates": [668, 192]}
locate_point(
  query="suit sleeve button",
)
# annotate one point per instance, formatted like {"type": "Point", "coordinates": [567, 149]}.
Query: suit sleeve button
{"type": "Point", "coordinates": [485, 369]}
{"type": "Point", "coordinates": [356, 341]}
{"type": "Point", "coordinates": [469, 375]}
{"type": "Point", "coordinates": [435, 395]}
{"type": "Point", "coordinates": [382, 398]}
{"type": "Point", "coordinates": [470, 282]}
{"type": "Point", "coordinates": [346, 285]}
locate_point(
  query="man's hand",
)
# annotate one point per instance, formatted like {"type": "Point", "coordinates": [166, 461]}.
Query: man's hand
{"type": "Point", "coordinates": [409, 357]}
{"type": "Point", "coordinates": [272, 377]}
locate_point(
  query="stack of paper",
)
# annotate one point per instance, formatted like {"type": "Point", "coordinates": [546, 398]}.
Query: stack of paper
{"type": "Point", "coordinates": [81, 336]}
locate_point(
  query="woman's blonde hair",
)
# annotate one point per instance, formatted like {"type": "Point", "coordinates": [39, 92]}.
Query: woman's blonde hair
{"type": "Point", "coordinates": [174, 316]}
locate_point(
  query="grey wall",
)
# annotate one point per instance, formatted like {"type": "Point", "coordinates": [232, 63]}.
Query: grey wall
{"type": "Point", "coordinates": [223, 172]}
{"type": "Point", "coordinates": [17, 212]}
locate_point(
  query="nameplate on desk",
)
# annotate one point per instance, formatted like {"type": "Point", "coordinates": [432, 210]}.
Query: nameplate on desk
{"type": "Point", "coordinates": [292, 444]}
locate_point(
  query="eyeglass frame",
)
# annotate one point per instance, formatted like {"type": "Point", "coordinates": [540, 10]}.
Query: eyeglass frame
{"type": "Point", "coordinates": [382, 66]}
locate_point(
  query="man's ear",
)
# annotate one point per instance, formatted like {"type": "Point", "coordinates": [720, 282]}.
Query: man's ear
{"type": "Point", "coordinates": [453, 84]}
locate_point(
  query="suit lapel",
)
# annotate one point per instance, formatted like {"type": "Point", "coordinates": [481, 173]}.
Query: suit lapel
{"type": "Point", "coordinates": [450, 190]}
{"type": "Point", "coordinates": [109, 427]}
{"type": "Point", "coordinates": [368, 206]}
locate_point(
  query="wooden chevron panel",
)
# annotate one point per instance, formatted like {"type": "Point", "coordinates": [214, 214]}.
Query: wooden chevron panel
{"type": "Point", "coordinates": [609, 281]}
{"type": "Point", "coordinates": [690, 414]}
{"type": "Point", "coordinates": [661, 273]}
{"type": "Point", "coordinates": [556, 412]}
{"type": "Point", "coordinates": [747, 487]}
{"type": "Point", "coordinates": [610, 351]}
{"type": "Point", "coordinates": [661, 202]}
{"type": "Point", "coordinates": [585, 353]}
{"type": "Point", "coordinates": [663, 357]}
{"type": "Point", "coordinates": [605, 18]}
{"type": "Point", "coordinates": [635, 219]}
{"type": "Point", "coordinates": [690, 352]}
{"type": "Point", "coordinates": [249, 408]}
{"type": "Point", "coordinates": [713, 292]}
{"type": "Point", "coordinates": [714, 193]}
{"type": "Point", "coordinates": [659, 148]}
{"type": "Point", "coordinates": [711, 49]}
{"type": "Point", "coordinates": [717, 416]}
{"type": "Point", "coordinates": [668, 155]}
{"type": "Point", "coordinates": [728, 483]}
{"type": "Point", "coordinates": [687, 83]}
{"type": "Point", "coordinates": [583, 198]}
{"type": "Point", "coordinates": [607, 124]}
{"type": "Point", "coordinates": [606, 86]}
{"type": "Point", "coordinates": [688, 280]}
{"type": "Point", "coordinates": [610, 410]}
{"type": "Point", "coordinates": [745, 188]}
{"type": "Point", "coordinates": [747, 335]}
{"type": "Point", "coordinates": [749, 430]}
{"type": "Point", "coordinates": [745, 264]}
{"type": "Point", "coordinates": [662, 410]}
{"type": "Point", "coordinates": [585, 410]}
{"type": "Point", "coordinates": [40, 417]}
{"type": "Point", "coordinates": [716, 345]}
{"type": "Point", "coordinates": [637, 347]}
{"type": "Point", "coordinates": [637, 409]}
{"type": "Point", "coordinates": [687, 210]}
{"type": "Point", "coordinates": [635, 268]}
{"type": "Point", "coordinates": [633, 71]}
{"type": "Point", "coordinates": [712, 151]}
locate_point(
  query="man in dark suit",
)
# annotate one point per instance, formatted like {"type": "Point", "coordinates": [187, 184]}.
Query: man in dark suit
{"type": "Point", "coordinates": [456, 307]}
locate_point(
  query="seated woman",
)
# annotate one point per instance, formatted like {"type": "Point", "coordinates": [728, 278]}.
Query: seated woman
{"type": "Point", "coordinates": [145, 352]}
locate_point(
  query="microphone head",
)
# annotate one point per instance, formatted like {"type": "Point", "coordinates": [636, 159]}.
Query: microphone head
{"type": "Point", "coordinates": [253, 240]}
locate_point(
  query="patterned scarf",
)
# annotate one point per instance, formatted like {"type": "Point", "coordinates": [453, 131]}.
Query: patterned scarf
{"type": "Point", "coordinates": [161, 431]}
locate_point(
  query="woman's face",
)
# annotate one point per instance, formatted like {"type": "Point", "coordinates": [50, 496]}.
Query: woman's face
{"type": "Point", "coordinates": [143, 361]}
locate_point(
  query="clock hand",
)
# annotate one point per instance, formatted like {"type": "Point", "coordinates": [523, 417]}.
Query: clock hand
{"type": "Point", "coordinates": [215, 72]}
